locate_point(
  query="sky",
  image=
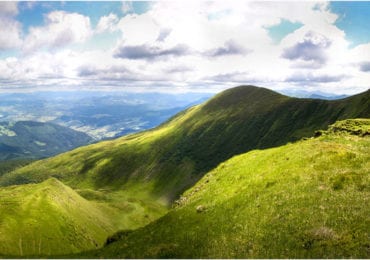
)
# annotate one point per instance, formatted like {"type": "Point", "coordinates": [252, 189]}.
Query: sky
{"type": "Point", "coordinates": [180, 46]}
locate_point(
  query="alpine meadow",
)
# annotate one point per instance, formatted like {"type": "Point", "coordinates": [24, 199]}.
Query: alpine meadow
{"type": "Point", "coordinates": [176, 129]}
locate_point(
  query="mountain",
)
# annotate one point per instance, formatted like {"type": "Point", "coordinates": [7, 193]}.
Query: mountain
{"type": "Point", "coordinates": [309, 199]}
{"type": "Point", "coordinates": [42, 219]}
{"type": "Point", "coordinates": [34, 140]}
{"type": "Point", "coordinates": [11, 165]}
{"type": "Point", "coordinates": [142, 174]}
{"type": "Point", "coordinates": [50, 218]}
{"type": "Point", "coordinates": [312, 94]}
{"type": "Point", "coordinates": [172, 157]}
{"type": "Point", "coordinates": [330, 97]}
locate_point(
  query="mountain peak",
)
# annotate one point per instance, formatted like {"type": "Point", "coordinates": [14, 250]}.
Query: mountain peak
{"type": "Point", "coordinates": [243, 96]}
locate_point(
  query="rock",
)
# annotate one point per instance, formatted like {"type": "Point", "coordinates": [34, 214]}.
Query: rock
{"type": "Point", "coordinates": [200, 208]}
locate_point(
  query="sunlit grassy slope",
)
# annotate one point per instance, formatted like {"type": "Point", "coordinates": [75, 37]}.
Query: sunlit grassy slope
{"type": "Point", "coordinates": [309, 199]}
{"type": "Point", "coordinates": [50, 218]}
{"type": "Point", "coordinates": [165, 161]}
{"type": "Point", "coordinates": [135, 177]}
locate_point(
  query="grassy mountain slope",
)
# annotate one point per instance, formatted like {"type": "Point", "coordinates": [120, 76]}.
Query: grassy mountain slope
{"type": "Point", "coordinates": [50, 218]}
{"type": "Point", "coordinates": [11, 165]}
{"type": "Point", "coordinates": [172, 157]}
{"type": "Point", "coordinates": [309, 199]}
{"type": "Point", "coordinates": [34, 140]}
{"type": "Point", "coordinates": [136, 176]}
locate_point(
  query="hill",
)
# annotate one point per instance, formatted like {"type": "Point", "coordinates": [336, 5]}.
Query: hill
{"type": "Point", "coordinates": [165, 161]}
{"type": "Point", "coordinates": [50, 218]}
{"type": "Point", "coordinates": [35, 140]}
{"type": "Point", "coordinates": [11, 165]}
{"type": "Point", "coordinates": [140, 174]}
{"type": "Point", "coordinates": [309, 199]}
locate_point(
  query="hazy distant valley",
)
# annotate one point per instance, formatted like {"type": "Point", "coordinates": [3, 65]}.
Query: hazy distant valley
{"type": "Point", "coordinates": [99, 114]}
{"type": "Point", "coordinates": [42, 124]}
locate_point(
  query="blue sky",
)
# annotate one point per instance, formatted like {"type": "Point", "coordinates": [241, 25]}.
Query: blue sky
{"type": "Point", "coordinates": [354, 17]}
{"type": "Point", "coordinates": [285, 27]}
{"type": "Point", "coordinates": [32, 14]}
{"type": "Point", "coordinates": [354, 20]}
{"type": "Point", "coordinates": [196, 46]}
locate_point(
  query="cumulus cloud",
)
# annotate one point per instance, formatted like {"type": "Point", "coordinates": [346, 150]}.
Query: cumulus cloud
{"type": "Point", "coordinates": [10, 36]}
{"type": "Point", "coordinates": [150, 52]}
{"type": "Point", "coordinates": [365, 66]}
{"type": "Point", "coordinates": [87, 71]}
{"type": "Point", "coordinates": [179, 69]}
{"type": "Point", "coordinates": [311, 49]}
{"type": "Point", "coordinates": [163, 34]}
{"type": "Point", "coordinates": [61, 29]}
{"type": "Point", "coordinates": [8, 8]}
{"type": "Point", "coordinates": [107, 23]}
{"type": "Point", "coordinates": [127, 7]}
{"type": "Point", "coordinates": [311, 78]}
{"type": "Point", "coordinates": [235, 77]}
{"type": "Point", "coordinates": [110, 73]}
{"type": "Point", "coordinates": [229, 48]}
{"type": "Point", "coordinates": [139, 29]}
{"type": "Point", "coordinates": [188, 44]}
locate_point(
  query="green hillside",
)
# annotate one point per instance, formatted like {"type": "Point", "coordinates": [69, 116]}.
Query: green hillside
{"type": "Point", "coordinates": [139, 175]}
{"type": "Point", "coordinates": [309, 199]}
{"type": "Point", "coordinates": [50, 218]}
{"type": "Point", "coordinates": [35, 140]}
{"type": "Point", "coordinates": [11, 165]}
{"type": "Point", "coordinates": [172, 157]}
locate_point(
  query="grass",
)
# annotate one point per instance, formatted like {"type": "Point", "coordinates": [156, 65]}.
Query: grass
{"type": "Point", "coordinates": [309, 199]}
{"type": "Point", "coordinates": [50, 218]}
{"type": "Point", "coordinates": [137, 176]}
{"type": "Point", "coordinates": [174, 156]}
{"type": "Point", "coordinates": [11, 165]}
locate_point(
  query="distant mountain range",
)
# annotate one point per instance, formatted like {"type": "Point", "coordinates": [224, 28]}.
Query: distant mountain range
{"type": "Point", "coordinates": [35, 140]}
{"type": "Point", "coordinates": [312, 94]}
{"type": "Point", "coordinates": [301, 200]}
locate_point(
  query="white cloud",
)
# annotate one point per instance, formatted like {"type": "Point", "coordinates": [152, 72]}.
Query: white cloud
{"type": "Point", "coordinates": [139, 29]}
{"type": "Point", "coordinates": [10, 36]}
{"type": "Point", "coordinates": [61, 29]}
{"type": "Point", "coordinates": [196, 44]}
{"type": "Point", "coordinates": [127, 7]}
{"type": "Point", "coordinates": [8, 8]}
{"type": "Point", "coordinates": [107, 23]}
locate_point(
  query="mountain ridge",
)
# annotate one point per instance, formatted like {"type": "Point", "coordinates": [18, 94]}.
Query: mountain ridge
{"type": "Point", "coordinates": [142, 174]}
{"type": "Point", "coordinates": [306, 199]}
{"type": "Point", "coordinates": [198, 139]}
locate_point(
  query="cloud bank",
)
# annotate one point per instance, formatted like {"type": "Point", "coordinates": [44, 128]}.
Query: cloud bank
{"type": "Point", "coordinates": [184, 45]}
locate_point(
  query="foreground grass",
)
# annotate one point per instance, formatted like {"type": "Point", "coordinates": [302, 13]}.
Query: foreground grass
{"type": "Point", "coordinates": [309, 199]}
{"type": "Point", "coordinates": [50, 218]}
{"type": "Point", "coordinates": [135, 177]}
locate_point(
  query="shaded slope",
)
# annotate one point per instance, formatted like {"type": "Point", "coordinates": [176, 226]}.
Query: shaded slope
{"type": "Point", "coordinates": [11, 165]}
{"type": "Point", "coordinates": [167, 160]}
{"type": "Point", "coordinates": [309, 199]}
{"type": "Point", "coordinates": [35, 140]}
